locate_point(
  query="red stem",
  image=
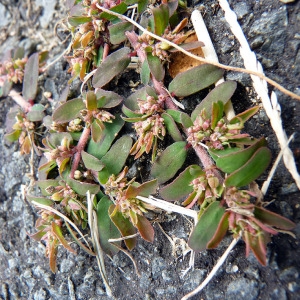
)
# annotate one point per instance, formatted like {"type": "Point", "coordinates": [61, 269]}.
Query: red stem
{"type": "Point", "coordinates": [80, 146]}
{"type": "Point", "coordinates": [205, 158]}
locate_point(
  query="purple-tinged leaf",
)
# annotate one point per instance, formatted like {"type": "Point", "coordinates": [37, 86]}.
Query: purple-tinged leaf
{"type": "Point", "coordinates": [106, 227]}
{"type": "Point", "coordinates": [250, 170]}
{"type": "Point", "coordinates": [220, 232]}
{"type": "Point", "coordinates": [273, 219]}
{"type": "Point", "coordinates": [124, 225]}
{"type": "Point", "coordinates": [236, 159]}
{"type": "Point", "coordinates": [52, 253]}
{"type": "Point", "coordinates": [68, 111]}
{"type": "Point", "coordinates": [181, 187]}
{"type": "Point", "coordinates": [206, 226]}
{"type": "Point", "coordinates": [38, 235]}
{"type": "Point", "coordinates": [161, 18]}
{"type": "Point", "coordinates": [113, 65]}
{"type": "Point", "coordinates": [144, 190]}
{"type": "Point", "coordinates": [156, 68]}
{"type": "Point", "coordinates": [91, 162]}
{"type": "Point", "coordinates": [110, 100]}
{"type": "Point", "coordinates": [31, 74]}
{"type": "Point", "coordinates": [223, 92]}
{"type": "Point", "coordinates": [194, 80]}
{"type": "Point", "coordinates": [172, 5]}
{"type": "Point", "coordinates": [5, 89]}
{"type": "Point", "coordinates": [145, 228]}
{"type": "Point", "coordinates": [172, 127]}
{"type": "Point", "coordinates": [169, 162]}
{"type": "Point", "coordinates": [244, 116]}
{"type": "Point", "coordinates": [188, 46]}
{"type": "Point", "coordinates": [117, 32]}
{"type": "Point", "coordinates": [131, 101]}
{"type": "Point", "coordinates": [107, 137]}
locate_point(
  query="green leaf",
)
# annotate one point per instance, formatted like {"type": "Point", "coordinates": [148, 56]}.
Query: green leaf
{"type": "Point", "coordinates": [142, 6]}
{"type": "Point", "coordinates": [13, 136]}
{"type": "Point", "coordinates": [272, 219]}
{"type": "Point", "coordinates": [236, 159]}
{"type": "Point", "coordinates": [244, 116]}
{"type": "Point", "coordinates": [115, 158]}
{"type": "Point", "coordinates": [37, 113]}
{"type": "Point", "coordinates": [223, 92]}
{"type": "Point", "coordinates": [44, 184]}
{"type": "Point", "coordinates": [56, 138]}
{"type": "Point", "coordinates": [169, 162]}
{"type": "Point", "coordinates": [130, 114]}
{"type": "Point", "coordinates": [40, 200]}
{"type": "Point", "coordinates": [194, 80]}
{"type": "Point", "coordinates": [175, 114]}
{"type": "Point", "coordinates": [113, 65]}
{"type": "Point", "coordinates": [120, 9]}
{"type": "Point", "coordinates": [172, 127]}
{"type": "Point", "coordinates": [58, 233]}
{"type": "Point", "coordinates": [91, 162]}
{"type": "Point", "coordinates": [181, 187]}
{"type": "Point", "coordinates": [131, 101]}
{"type": "Point", "coordinates": [78, 20]}
{"type": "Point", "coordinates": [156, 67]}
{"type": "Point", "coordinates": [31, 74]}
{"type": "Point", "coordinates": [107, 99]}
{"type": "Point", "coordinates": [68, 111]}
{"type": "Point", "coordinates": [145, 228]}
{"type": "Point", "coordinates": [206, 226]}
{"type": "Point", "coordinates": [143, 190]}
{"type": "Point", "coordinates": [145, 72]}
{"type": "Point", "coordinates": [124, 225]}
{"type": "Point", "coordinates": [251, 170]}
{"type": "Point", "coordinates": [96, 130]}
{"type": "Point", "coordinates": [107, 137]}
{"type": "Point", "coordinates": [91, 101]}
{"type": "Point", "coordinates": [107, 229]}
{"type": "Point", "coordinates": [117, 32]}
{"type": "Point", "coordinates": [81, 188]}
{"type": "Point", "coordinates": [161, 19]}
{"type": "Point", "coordinates": [186, 121]}
{"type": "Point", "coordinates": [220, 232]}
{"type": "Point", "coordinates": [217, 113]}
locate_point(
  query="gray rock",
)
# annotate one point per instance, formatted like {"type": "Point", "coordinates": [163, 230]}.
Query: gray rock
{"type": "Point", "coordinates": [289, 274]}
{"type": "Point", "coordinates": [5, 16]}
{"type": "Point", "coordinates": [158, 265]}
{"type": "Point", "coordinates": [278, 294]}
{"type": "Point", "coordinates": [242, 288]}
{"type": "Point", "coordinates": [48, 11]}
{"type": "Point", "coordinates": [241, 9]}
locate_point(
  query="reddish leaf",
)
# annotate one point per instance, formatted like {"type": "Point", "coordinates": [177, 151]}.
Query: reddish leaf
{"type": "Point", "coordinates": [272, 219]}
{"type": "Point", "coordinates": [145, 228]}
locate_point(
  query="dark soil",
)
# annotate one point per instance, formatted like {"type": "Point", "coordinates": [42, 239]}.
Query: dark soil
{"type": "Point", "coordinates": [274, 34]}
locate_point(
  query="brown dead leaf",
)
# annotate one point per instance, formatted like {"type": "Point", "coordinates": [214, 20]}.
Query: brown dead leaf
{"type": "Point", "coordinates": [179, 62]}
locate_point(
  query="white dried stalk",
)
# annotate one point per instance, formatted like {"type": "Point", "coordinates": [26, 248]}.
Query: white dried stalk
{"type": "Point", "coordinates": [92, 220]}
{"type": "Point", "coordinates": [271, 106]}
{"type": "Point", "coordinates": [209, 51]}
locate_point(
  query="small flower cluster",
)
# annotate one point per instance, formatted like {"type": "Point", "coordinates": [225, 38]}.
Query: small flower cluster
{"type": "Point", "coordinates": [13, 69]}
{"type": "Point", "coordinates": [215, 137]}
{"type": "Point", "coordinates": [206, 187]}
{"type": "Point", "coordinates": [116, 188]}
{"type": "Point", "coordinates": [150, 127]}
